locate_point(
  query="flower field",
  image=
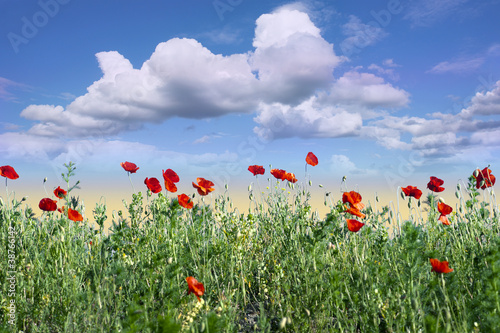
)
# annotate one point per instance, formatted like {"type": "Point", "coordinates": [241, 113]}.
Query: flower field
{"type": "Point", "coordinates": [189, 262]}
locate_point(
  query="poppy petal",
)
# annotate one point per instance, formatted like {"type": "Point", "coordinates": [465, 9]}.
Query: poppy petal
{"type": "Point", "coordinates": [129, 167]}
{"type": "Point", "coordinates": [311, 159]}
{"type": "Point", "coordinates": [74, 215]}
{"type": "Point", "coordinates": [354, 225]}
{"type": "Point", "coordinates": [8, 172]}
{"type": "Point", "coordinates": [47, 205]}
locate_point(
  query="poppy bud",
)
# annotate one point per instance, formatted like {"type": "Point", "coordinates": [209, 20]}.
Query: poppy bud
{"type": "Point", "coordinates": [226, 186]}
{"type": "Point", "coordinates": [344, 179]}
{"type": "Point", "coordinates": [457, 194]}
{"type": "Point", "coordinates": [310, 183]}
{"type": "Point", "coordinates": [458, 187]}
{"type": "Point", "coordinates": [250, 197]}
{"type": "Point", "coordinates": [376, 198]}
{"type": "Point", "coordinates": [24, 198]}
{"type": "Point", "coordinates": [325, 203]}
{"type": "Point", "coordinates": [249, 187]}
{"type": "Point", "coordinates": [320, 185]}
{"type": "Point", "coordinates": [476, 173]}
{"type": "Point", "coordinates": [418, 203]}
{"type": "Point", "coordinates": [1, 202]}
{"type": "Point", "coordinates": [45, 180]}
{"type": "Point", "coordinates": [441, 200]}
{"type": "Point", "coordinates": [403, 195]}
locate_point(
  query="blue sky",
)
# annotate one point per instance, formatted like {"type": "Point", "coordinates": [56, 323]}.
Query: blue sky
{"type": "Point", "coordinates": [385, 92]}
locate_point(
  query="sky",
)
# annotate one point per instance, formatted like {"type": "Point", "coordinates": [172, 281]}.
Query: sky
{"type": "Point", "coordinates": [386, 93]}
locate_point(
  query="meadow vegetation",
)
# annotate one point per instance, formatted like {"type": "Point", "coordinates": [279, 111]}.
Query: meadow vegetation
{"type": "Point", "coordinates": [277, 267]}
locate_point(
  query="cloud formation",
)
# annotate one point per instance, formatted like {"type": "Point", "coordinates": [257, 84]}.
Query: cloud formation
{"type": "Point", "coordinates": [184, 79]}
{"type": "Point", "coordinates": [443, 135]}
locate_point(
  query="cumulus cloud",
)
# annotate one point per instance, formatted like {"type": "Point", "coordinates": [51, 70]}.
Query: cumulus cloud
{"type": "Point", "coordinates": [306, 120]}
{"type": "Point", "coordinates": [484, 103]}
{"type": "Point", "coordinates": [368, 91]}
{"type": "Point", "coordinates": [182, 78]}
{"type": "Point", "coordinates": [443, 135]}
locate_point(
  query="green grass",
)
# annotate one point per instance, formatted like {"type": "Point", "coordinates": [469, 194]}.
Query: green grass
{"type": "Point", "coordinates": [278, 267]}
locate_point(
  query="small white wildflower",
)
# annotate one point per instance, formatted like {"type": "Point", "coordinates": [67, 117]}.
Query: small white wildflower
{"type": "Point", "coordinates": [283, 323]}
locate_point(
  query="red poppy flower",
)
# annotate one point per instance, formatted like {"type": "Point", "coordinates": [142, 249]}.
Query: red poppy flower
{"type": "Point", "coordinates": [48, 205]}
{"type": "Point", "coordinates": [185, 201]}
{"type": "Point", "coordinates": [170, 175]}
{"type": "Point", "coordinates": [204, 186]}
{"type": "Point", "coordinates": [311, 159]}
{"type": "Point", "coordinates": [412, 191]}
{"type": "Point", "coordinates": [444, 209]}
{"type": "Point", "coordinates": [278, 174]}
{"type": "Point", "coordinates": [290, 177]}
{"type": "Point", "coordinates": [60, 193]}
{"type": "Point", "coordinates": [354, 199]}
{"type": "Point", "coordinates": [153, 184]}
{"type": "Point", "coordinates": [435, 185]}
{"type": "Point", "coordinates": [440, 266]}
{"type": "Point", "coordinates": [61, 210]}
{"type": "Point", "coordinates": [170, 186]}
{"type": "Point", "coordinates": [354, 225]}
{"type": "Point", "coordinates": [195, 287]}
{"type": "Point", "coordinates": [129, 167]}
{"type": "Point", "coordinates": [256, 169]}
{"type": "Point", "coordinates": [484, 178]}
{"type": "Point", "coordinates": [74, 215]}
{"type": "Point", "coordinates": [8, 172]}
{"type": "Point", "coordinates": [356, 212]}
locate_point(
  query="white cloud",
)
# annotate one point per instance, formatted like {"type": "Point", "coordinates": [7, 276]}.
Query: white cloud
{"type": "Point", "coordinates": [427, 12]}
{"type": "Point", "coordinates": [459, 66]}
{"type": "Point", "coordinates": [444, 135]}
{"type": "Point", "coordinates": [484, 103]}
{"type": "Point", "coordinates": [184, 79]}
{"type": "Point", "coordinates": [359, 35]}
{"type": "Point", "coordinates": [6, 85]}
{"type": "Point", "coordinates": [291, 58]}
{"type": "Point", "coordinates": [341, 164]}
{"type": "Point", "coordinates": [306, 120]}
{"type": "Point", "coordinates": [100, 153]}
{"type": "Point", "coordinates": [390, 63]}
{"type": "Point", "coordinates": [368, 91]}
